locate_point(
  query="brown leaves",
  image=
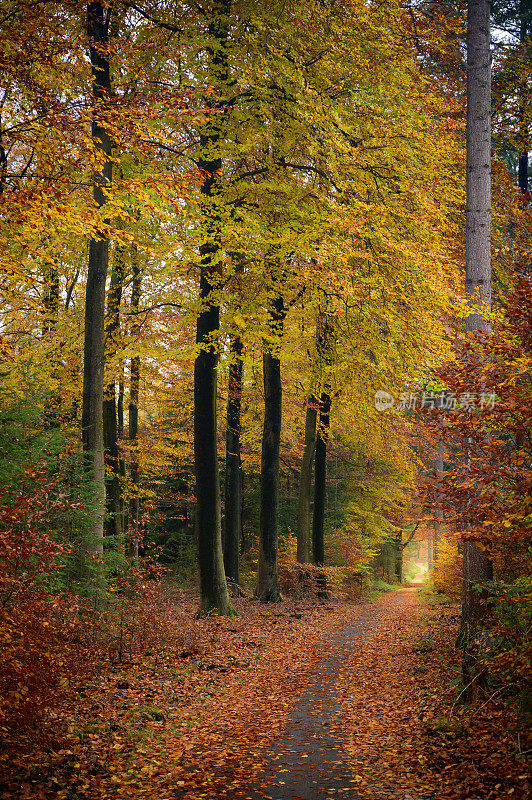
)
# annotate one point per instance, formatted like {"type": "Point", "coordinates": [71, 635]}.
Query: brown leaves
{"type": "Point", "coordinates": [180, 724]}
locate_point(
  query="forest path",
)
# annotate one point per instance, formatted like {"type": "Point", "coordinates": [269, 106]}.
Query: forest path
{"type": "Point", "coordinates": [309, 761]}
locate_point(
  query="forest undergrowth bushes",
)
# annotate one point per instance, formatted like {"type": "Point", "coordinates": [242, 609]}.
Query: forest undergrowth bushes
{"type": "Point", "coordinates": [54, 628]}
{"type": "Point", "coordinates": [504, 647]}
{"type": "Point", "coordinates": [347, 576]}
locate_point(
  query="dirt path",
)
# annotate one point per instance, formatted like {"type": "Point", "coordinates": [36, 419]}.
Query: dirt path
{"type": "Point", "coordinates": [309, 761]}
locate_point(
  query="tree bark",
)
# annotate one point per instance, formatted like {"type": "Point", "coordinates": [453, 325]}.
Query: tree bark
{"type": "Point", "coordinates": [399, 557]}
{"type": "Point", "coordinates": [214, 594]}
{"type": "Point", "coordinates": [324, 342]}
{"type": "Point", "coordinates": [305, 481]}
{"type": "Point", "coordinates": [233, 483]}
{"type": "Point", "coordinates": [94, 341]}
{"type": "Point", "coordinates": [320, 487]}
{"type": "Point", "coordinates": [50, 297]}
{"type": "Point", "coordinates": [477, 566]}
{"type": "Point", "coordinates": [438, 524]}
{"type": "Point", "coordinates": [113, 484]}
{"type": "Point", "coordinates": [524, 133]}
{"type": "Point", "coordinates": [267, 579]}
{"type": "Point", "coordinates": [134, 391]}
{"type": "Point", "coordinates": [49, 329]}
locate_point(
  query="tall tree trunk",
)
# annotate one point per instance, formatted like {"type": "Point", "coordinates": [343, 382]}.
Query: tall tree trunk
{"type": "Point", "coordinates": [524, 133]}
{"type": "Point", "coordinates": [320, 486]}
{"type": "Point", "coordinates": [233, 483]}
{"type": "Point", "coordinates": [324, 343]}
{"type": "Point", "coordinates": [524, 145]}
{"type": "Point", "coordinates": [113, 484]}
{"type": "Point", "coordinates": [267, 579]}
{"type": "Point", "coordinates": [120, 436]}
{"type": "Point", "coordinates": [438, 524]}
{"type": "Point", "coordinates": [94, 342]}
{"type": "Point", "coordinates": [214, 594]}
{"type": "Point", "coordinates": [49, 328]}
{"type": "Point", "coordinates": [305, 481]}
{"type": "Point", "coordinates": [477, 566]}
{"type": "Point", "coordinates": [134, 368]}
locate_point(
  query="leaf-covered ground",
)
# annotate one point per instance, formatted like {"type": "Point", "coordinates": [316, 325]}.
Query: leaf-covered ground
{"type": "Point", "coordinates": [296, 700]}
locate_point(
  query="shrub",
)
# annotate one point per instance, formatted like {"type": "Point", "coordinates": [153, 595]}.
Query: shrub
{"type": "Point", "coordinates": [508, 653]}
{"type": "Point", "coordinates": [38, 618]}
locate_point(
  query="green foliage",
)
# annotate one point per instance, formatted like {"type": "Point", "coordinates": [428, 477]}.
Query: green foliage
{"type": "Point", "coordinates": [508, 646]}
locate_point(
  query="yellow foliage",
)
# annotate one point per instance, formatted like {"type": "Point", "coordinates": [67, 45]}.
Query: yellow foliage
{"type": "Point", "coordinates": [447, 571]}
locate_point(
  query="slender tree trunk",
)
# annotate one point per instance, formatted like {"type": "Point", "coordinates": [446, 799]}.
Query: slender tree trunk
{"type": "Point", "coordinates": [524, 133]}
{"type": "Point", "coordinates": [214, 594]}
{"type": "Point", "coordinates": [399, 557]}
{"type": "Point", "coordinates": [49, 328]}
{"type": "Point", "coordinates": [120, 435]}
{"type": "Point", "coordinates": [110, 422]}
{"type": "Point", "coordinates": [305, 481]}
{"type": "Point", "coordinates": [233, 483]}
{"type": "Point", "coordinates": [50, 297]}
{"type": "Point", "coordinates": [477, 566]}
{"type": "Point", "coordinates": [324, 342]}
{"type": "Point", "coordinates": [430, 550]}
{"type": "Point", "coordinates": [94, 342]}
{"type": "Point", "coordinates": [320, 487]}
{"type": "Point", "coordinates": [524, 145]}
{"type": "Point", "coordinates": [134, 368]}
{"type": "Point", "coordinates": [267, 579]}
{"type": "Point", "coordinates": [438, 524]}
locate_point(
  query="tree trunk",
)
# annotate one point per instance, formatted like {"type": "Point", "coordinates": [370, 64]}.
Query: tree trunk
{"type": "Point", "coordinates": [430, 550]}
{"type": "Point", "coordinates": [320, 487]}
{"type": "Point", "coordinates": [120, 436]}
{"type": "Point", "coordinates": [267, 579]}
{"type": "Point", "coordinates": [50, 297]}
{"type": "Point", "coordinates": [305, 481]}
{"type": "Point", "coordinates": [134, 390]}
{"type": "Point", "coordinates": [324, 342]}
{"type": "Point", "coordinates": [94, 342]}
{"type": "Point", "coordinates": [233, 483]}
{"type": "Point", "coordinates": [113, 484]}
{"type": "Point", "coordinates": [524, 134]}
{"type": "Point", "coordinates": [49, 328]}
{"type": "Point", "coordinates": [214, 594]}
{"type": "Point", "coordinates": [477, 566]}
{"type": "Point", "coordinates": [399, 557]}
{"type": "Point", "coordinates": [438, 524]}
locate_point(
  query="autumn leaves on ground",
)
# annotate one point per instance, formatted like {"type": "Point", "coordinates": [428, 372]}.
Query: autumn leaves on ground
{"type": "Point", "coordinates": [205, 708]}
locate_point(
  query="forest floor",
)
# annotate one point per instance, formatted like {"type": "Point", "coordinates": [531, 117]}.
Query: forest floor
{"type": "Point", "coordinates": [299, 700]}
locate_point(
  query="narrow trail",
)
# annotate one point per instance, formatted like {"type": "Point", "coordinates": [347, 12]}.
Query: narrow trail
{"type": "Point", "coordinates": [309, 760]}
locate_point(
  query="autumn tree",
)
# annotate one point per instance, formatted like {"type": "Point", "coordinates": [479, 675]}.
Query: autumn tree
{"type": "Point", "coordinates": [477, 566]}
{"type": "Point", "coordinates": [214, 593]}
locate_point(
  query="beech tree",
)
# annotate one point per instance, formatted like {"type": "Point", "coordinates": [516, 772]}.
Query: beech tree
{"type": "Point", "coordinates": [94, 342]}
{"type": "Point", "coordinates": [305, 480]}
{"type": "Point", "coordinates": [477, 566]}
{"type": "Point", "coordinates": [214, 594]}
